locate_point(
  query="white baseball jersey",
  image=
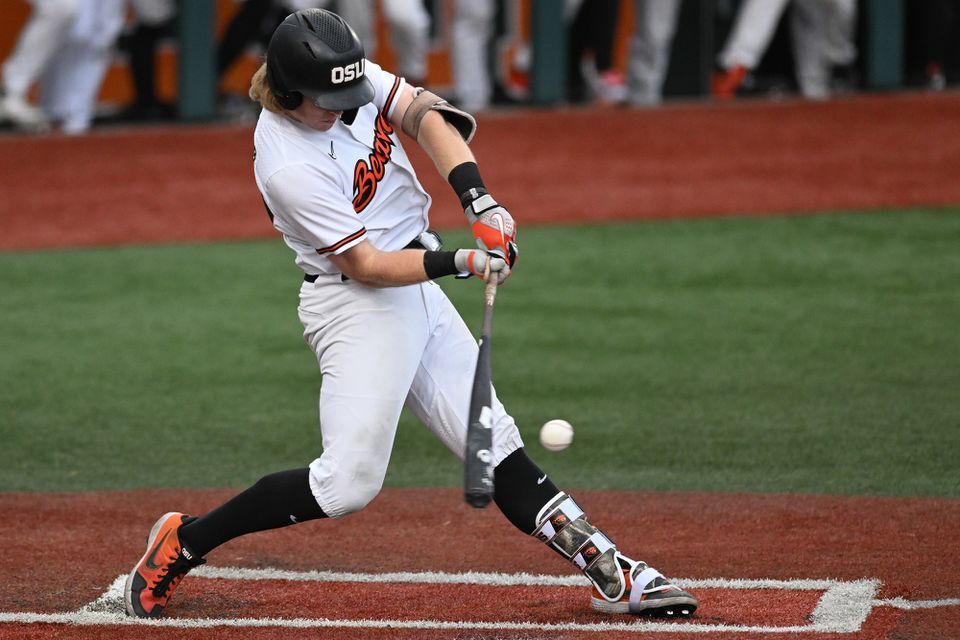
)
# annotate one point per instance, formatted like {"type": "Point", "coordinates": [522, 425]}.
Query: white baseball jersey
{"type": "Point", "coordinates": [328, 190]}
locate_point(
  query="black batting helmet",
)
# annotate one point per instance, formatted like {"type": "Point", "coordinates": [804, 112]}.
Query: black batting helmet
{"type": "Point", "coordinates": [315, 54]}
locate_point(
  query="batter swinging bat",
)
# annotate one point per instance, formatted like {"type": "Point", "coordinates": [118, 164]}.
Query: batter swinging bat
{"type": "Point", "coordinates": [478, 475]}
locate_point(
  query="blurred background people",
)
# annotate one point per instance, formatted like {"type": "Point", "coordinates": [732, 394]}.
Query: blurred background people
{"type": "Point", "coordinates": [71, 82]}
{"type": "Point", "coordinates": [65, 47]}
{"type": "Point", "coordinates": [654, 25]}
{"type": "Point", "coordinates": [470, 38]}
{"type": "Point", "coordinates": [37, 44]}
{"type": "Point", "coordinates": [153, 21]}
{"type": "Point", "coordinates": [939, 22]}
{"type": "Point", "coordinates": [590, 39]}
{"type": "Point", "coordinates": [408, 25]}
{"type": "Point", "coordinates": [822, 32]}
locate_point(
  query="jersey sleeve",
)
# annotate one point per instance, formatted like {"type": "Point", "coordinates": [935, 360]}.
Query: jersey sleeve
{"type": "Point", "coordinates": [386, 86]}
{"type": "Point", "coordinates": [305, 208]}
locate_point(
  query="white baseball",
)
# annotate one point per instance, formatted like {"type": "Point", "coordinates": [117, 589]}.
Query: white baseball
{"type": "Point", "coordinates": [556, 435]}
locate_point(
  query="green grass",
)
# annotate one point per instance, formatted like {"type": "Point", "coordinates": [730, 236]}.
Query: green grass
{"type": "Point", "coordinates": [799, 354]}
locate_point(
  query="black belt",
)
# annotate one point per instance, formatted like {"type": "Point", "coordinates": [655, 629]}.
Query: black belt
{"type": "Point", "coordinates": [413, 244]}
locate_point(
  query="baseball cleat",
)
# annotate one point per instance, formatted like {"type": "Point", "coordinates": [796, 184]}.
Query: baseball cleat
{"type": "Point", "coordinates": [656, 597]}
{"type": "Point", "coordinates": [22, 115]}
{"type": "Point", "coordinates": [725, 83]}
{"type": "Point", "coordinates": [162, 567]}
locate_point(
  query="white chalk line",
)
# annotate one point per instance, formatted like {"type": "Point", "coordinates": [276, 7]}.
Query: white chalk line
{"type": "Point", "coordinates": [842, 608]}
{"type": "Point", "coordinates": [492, 579]}
{"type": "Point", "coordinates": [911, 605]}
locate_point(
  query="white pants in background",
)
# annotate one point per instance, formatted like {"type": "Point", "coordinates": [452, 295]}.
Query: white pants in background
{"type": "Point", "coordinates": [71, 83]}
{"type": "Point", "coordinates": [655, 23]}
{"type": "Point", "coordinates": [41, 38]}
{"type": "Point", "coordinates": [153, 12]}
{"type": "Point", "coordinates": [469, 50]}
{"type": "Point", "coordinates": [409, 26]}
{"type": "Point", "coordinates": [822, 32]}
{"type": "Point", "coordinates": [378, 350]}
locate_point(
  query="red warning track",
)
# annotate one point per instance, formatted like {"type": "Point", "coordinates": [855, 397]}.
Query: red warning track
{"type": "Point", "coordinates": [196, 183]}
{"type": "Point", "coordinates": [89, 539]}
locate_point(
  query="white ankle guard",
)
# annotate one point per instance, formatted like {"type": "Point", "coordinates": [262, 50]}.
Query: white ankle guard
{"type": "Point", "coordinates": [563, 525]}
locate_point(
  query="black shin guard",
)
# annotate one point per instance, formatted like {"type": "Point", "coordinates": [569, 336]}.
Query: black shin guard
{"type": "Point", "coordinates": [521, 490]}
{"type": "Point", "coordinates": [275, 501]}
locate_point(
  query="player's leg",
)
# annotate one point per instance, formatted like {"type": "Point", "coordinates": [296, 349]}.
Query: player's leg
{"type": "Point", "coordinates": [409, 25]}
{"type": "Point", "coordinates": [753, 28]}
{"type": "Point", "coordinates": [472, 29]}
{"type": "Point", "coordinates": [178, 542]}
{"type": "Point", "coordinates": [368, 343]}
{"type": "Point", "coordinates": [655, 22]}
{"type": "Point", "coordinates": [38, 42]}
{"type": "Point", "coordinates": [822, 33]}
{"type": "Point", "coordinates": [440, 398]}
{"type": "Point", "coordinates": [76, 73]}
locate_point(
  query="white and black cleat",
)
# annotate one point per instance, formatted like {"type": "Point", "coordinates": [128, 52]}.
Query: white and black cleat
{"type": "Point", "coordinates": [657, 598]}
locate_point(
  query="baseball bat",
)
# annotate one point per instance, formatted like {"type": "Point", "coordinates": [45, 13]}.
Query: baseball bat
{"type": "Point", "coordinates": [478, 471]}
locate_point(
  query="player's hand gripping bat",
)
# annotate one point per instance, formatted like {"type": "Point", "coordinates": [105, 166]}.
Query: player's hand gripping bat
{"type": "Point", "coordinates": [478, 475]}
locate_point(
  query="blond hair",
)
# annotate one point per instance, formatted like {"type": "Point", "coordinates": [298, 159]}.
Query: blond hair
{"type": "Point", "coordinates": [260, 91]}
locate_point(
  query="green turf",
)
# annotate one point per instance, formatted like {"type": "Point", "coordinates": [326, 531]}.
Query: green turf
{"type": "Point", "coordinates": [802, 354]}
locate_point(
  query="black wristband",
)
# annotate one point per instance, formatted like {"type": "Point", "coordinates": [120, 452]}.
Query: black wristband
{"type": "Point", "coordinates": [439, 263]}
{"type": "Point", "coordinates": [466, 182]}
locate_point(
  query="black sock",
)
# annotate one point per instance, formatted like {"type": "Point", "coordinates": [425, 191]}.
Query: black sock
{"type": "Point", "coordinates": [521, 489]}
{"type": "Point", "coordinates": [275, 501]}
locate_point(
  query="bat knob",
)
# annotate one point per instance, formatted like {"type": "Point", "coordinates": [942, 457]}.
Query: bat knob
{"type": "Point", "coordinates": [477, 500]}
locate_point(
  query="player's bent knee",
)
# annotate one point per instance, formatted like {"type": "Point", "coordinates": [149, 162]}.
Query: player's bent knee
{"type": "Point", "coordinates": [358, 496]}
{"type": "Point", "coordinates": [341, 490]}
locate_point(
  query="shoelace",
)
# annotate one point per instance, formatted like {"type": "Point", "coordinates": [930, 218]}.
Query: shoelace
{"type": "Point", "coordinates": [172, 574]}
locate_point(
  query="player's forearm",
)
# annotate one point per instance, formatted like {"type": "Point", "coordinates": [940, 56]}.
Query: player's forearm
{"type": "Point", "coordinates": [374, 268]}
{"type": "Point", "coordinates": [443, 144]}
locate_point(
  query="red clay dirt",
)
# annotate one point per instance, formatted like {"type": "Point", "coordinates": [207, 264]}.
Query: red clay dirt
{"type": "Point", "coordinates": [69, 547]}
{"type": "Point", "coordinates": [130, 186]}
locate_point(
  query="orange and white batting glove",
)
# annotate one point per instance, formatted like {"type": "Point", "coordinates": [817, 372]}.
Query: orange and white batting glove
{"type": "Point", "coordinates": [476, 262]}
{"type": "Point", "coordinates": [493, 227]}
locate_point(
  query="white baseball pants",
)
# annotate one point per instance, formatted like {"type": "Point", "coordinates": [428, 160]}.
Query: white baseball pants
{"type": "Point", "coordinates": [379, 349]}
{"type": "Point", "coordinates": [469, 49]}
{"type": "Point", "coordinates": [42, 36]}
{"type": "Point", "coordinates": [655, 23]}
{"type": "Point", "coordinates": [71, 83]}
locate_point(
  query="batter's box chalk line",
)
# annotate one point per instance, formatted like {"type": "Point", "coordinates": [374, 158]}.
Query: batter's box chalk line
{"type": "Point", "coordinates": [843, 607]}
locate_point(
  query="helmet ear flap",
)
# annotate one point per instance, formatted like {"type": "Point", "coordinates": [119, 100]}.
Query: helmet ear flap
{"type": "Point", "coordinates": [349, 116]}
{"type": "Point", "coordinates": [287, 99]}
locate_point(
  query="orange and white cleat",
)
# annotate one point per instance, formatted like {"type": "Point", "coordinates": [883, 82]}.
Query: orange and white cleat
{"type": "Point", "coordinates": [162, 567]}
{"type": "Point", "coordinates": [647, 593]}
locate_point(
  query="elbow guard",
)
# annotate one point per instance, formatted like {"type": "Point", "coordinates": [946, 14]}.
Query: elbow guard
{"type": "Point", "coordinates": [424, 101]}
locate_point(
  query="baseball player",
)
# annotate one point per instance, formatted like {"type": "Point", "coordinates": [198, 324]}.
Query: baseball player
{"type": "Point", "coordinates": [339, 187]}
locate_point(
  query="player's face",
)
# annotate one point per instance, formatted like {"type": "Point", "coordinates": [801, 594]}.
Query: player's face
{"type": "Point", "coordinates": [315, 117]}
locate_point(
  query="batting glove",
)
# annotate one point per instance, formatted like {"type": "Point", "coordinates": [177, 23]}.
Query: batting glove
{"type": "Point", "coordinates": [493, 227]}
{"type": "Point", "coordinates": [474, 262]}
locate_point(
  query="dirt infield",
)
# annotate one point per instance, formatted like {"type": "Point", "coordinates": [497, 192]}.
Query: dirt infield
{"type": "Point", "coordinates": [765, 566]}
{"type": "Point", "coordinates": [189, 183]}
